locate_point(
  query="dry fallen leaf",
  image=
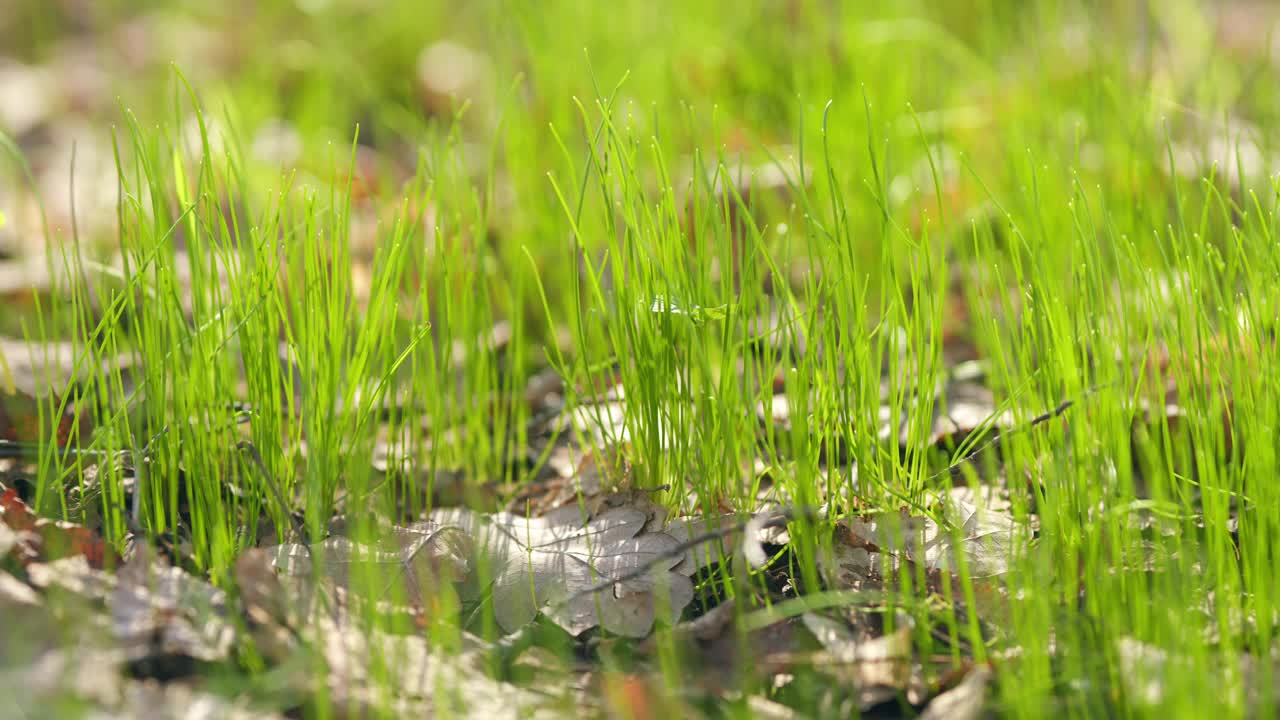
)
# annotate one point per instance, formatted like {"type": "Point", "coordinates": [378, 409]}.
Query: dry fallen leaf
{"type": "Point", "coordinates": [160, 611]}
{"type": "Point", "coordinates": [15, 592]}
{"type": "Point", "coordinates": [268, 609]}
{"type": "Point", "coordinates": [545, 564]}
{"type": "Point", "coordinates": [74, 575]}
{"type": "Point", "coordinates": [987, 535]}
{"type": "Point", "coordinates": [8, 540]}
{"type": "Point", "coordinates": [81, 670]}
{"type": "Point", "coordinates": [878, 667]}
{"type": "Point", "coordinates": [962, 702]}
{"type": "Point", "coordinates": [372, 671]}
{"type": "Point", "coordinates": [415, 556]}
{"type": "Point", "coordinates": [706, 553]}
{"type": "Point", "coordinates": [151, 700]}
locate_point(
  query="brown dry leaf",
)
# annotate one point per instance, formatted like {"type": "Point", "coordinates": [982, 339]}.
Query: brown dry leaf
{"type": "Point", "coordinates": [91, 676]}
{"type": "Point", "coordinates": [160, 612]}
{"type": "Point", "coordinates": [261, 593]}
{"type": "Point", "coordinates": [852, 564]}
{"type": "Point", "coordinates": [704, 554]}
{"type": "Point", "coordinates": [74, 575]}
{"type": "Point", "coordinates": [15, 592]}
{"type": "Point", "coordinates": [579, 476]}
{"type": "Point", "coordinates": [82, 671]}
{"type": "Point", "coordinates": [878, 668]}
{"type": "Point", "coordinates": [986, 533]}
{"type": "Point", "coordinates": [725, 656]}
{"type": "Point", "coordinates": [546, 564]}
{"type": "Point", "coordinates": [544, 391]}
{"type": "Point", "coordinates": [8, 539]}
{"type": "Point", "coordinates": [1145, 672]}
{"type": "Point", "coordinates": [151, 700]}
{"type": "Point", "coordinates": [42, 369]}
{"type": "Point", "coordinates": [968, 405]}
{"type": "Point", "coordinates": [162, 617]}
{"type": "Point", "coordinates": [370, 670]}
{"type": "Point", "coordinates": [958, 406]}
{"type": "Point", "coordinates": [872, 553]}
{"type": "Point", "coordinates": [962, 702]}
{"type": "Point", "coordinates": [406, 564]}
{"type": "Point", "coordinates": [269, 610]}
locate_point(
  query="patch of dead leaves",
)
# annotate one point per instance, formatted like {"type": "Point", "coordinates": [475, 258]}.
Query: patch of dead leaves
{"type": "Point", "coordinates": [548, 564]}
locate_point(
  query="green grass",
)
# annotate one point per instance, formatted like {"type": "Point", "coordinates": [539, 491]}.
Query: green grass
{"type": "Point", "coordinates": [1014, 155]}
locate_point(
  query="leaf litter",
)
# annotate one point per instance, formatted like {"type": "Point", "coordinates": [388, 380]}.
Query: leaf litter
{"type": "Point", "coordinates": [546, 564]}
{"type": "Point", "coordinates": [591, 561]}
{"type": "Point", "coordinates": [612, 563]}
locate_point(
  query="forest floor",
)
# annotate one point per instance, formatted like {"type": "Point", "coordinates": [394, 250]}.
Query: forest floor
{"type": "Point", "coordinates": [374, 360]}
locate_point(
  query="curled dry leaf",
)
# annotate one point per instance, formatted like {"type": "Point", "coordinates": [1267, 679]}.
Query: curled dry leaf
{"type": "Point", "coordinates": [175, 701]}
{"type": "Point", "coordinates": [579, 476]}
{"type": "Point", "coordinates": [986, 536]}
{"type": "Point", "coordinates": [89, 676]}
{"type": "Point", "coordinates": [15, 592]}
{"type": "Point", "coordinates": [261, 592]}
{"type": "Point", "coordinates": [726, 653]}
{"type": "Point", "coordinates": [705, 553]}
{"type": "Point", "coordinates": [761, 528]}
{"type": "Point", "coordinates": [161, 617]}
{"type": "Point", "coordinates": [8, 540]}
{"type": "Point", "coordinates": [409, 560]}
{"type": "Point", "coordinates": [372, 672]}
{"type": "Point", "coordinates": [74, 575]}
{"type": "Point", "coordinates": [1150, 675]}
{"type": "Point", "coordinates": [878, 667]}
{"type": "Point", "coordinates": [962, 702]}
{"type": "Point", "coordinates": [620, 570]}
{"type": "Point", "coordinates": [546, 564]}
{"type": "Point", "coordinates": [161, 611]}
{"type": "Point", "coordinates": [987, 532]}
{"type": "Point", "coordinates": [268, 608]}
{"type": "Point", "coordinates": [82, 671]}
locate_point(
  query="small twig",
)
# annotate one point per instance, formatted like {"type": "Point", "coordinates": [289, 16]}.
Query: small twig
{"type": "Point", "coordinates": [256, 457]}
